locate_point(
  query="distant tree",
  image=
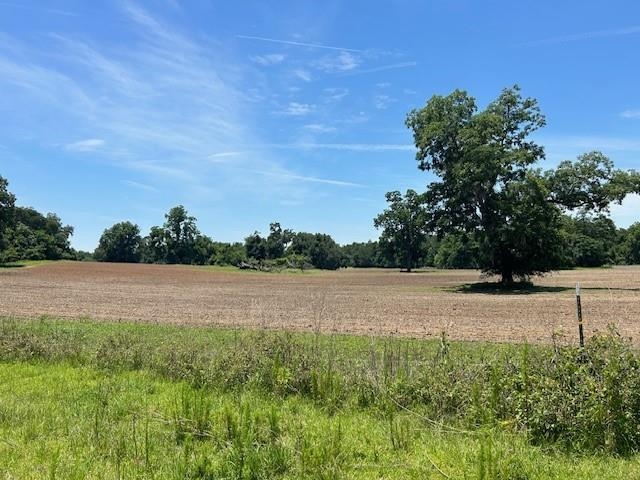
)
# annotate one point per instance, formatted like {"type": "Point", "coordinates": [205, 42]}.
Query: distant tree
{"type": "Point", "coordinates": [591, 241]}
{"type": "Point", "coordinates": [120, 243]}
{"type": "Point", "coordinates": [228, 253]}
{"type": "Point", "coordinates": [631, 245]}
{"type": "Point", "coordinates": [7, 204]}
{"type": "Point", "coordinates": [404, 228]}
{"type": "Point", "coordinates": [175, 241]}
{"type": "Point", "coordinates": [277, 241]}
{"type": "Point", "coordinates": [319, 248]}
{"type": "Point", "coordinates": [154, 246]}
{"type": "Point", "coordinates": [203, 251]}
{"type": "Point", "coordinates": [488, 189]}
{"type": "Point", "coordinates": [34, 236]}
{"type": "Point", "coordinates": [256, 246]}
{"type": "Point", "coordinates": [180, 235]}
{"type": "Point", "coordinates": [362, 255]}
{"type": "Point", "coordinates": [456, 251]}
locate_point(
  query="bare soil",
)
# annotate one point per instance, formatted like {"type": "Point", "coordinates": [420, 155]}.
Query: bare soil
{"type": "Point", "coordinates": [369, 302]}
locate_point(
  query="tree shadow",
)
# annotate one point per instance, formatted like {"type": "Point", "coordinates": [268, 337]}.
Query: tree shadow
{"type": "Point", "coordinates": [524, 288]}
{"type": "Point", "coordinates": [12, 265]}
{"type": "Point", "coordinates": [518, 288]}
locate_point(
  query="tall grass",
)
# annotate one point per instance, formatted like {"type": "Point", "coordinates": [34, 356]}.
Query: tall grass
{"type": "Point", "coordinates": [578, 400]}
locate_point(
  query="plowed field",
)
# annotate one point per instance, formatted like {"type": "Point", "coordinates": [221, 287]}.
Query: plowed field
{"type": "Point", "coordinates": [376, 302]}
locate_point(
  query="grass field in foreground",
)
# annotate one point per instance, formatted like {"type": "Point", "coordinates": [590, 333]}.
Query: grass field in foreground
{"type": "Point", "coordinates": [59, 421]}
{"type": "Point", "coordinates": [108, 400]}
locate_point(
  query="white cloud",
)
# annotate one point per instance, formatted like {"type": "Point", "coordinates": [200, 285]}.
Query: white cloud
{"type": "Point", "coordinates": [87, 145]}
{"type": "Point", "coordinates": [614, 32]}
{"type": "Point", "coordinates": [335, 94]}
{"type": "Point", "coordinates": [140, 186]}
{"type": "Point", "coordinates": [382, 68]}
{"type": "Point", "coordinates": [269, 59]}
{"type": "Point", "coordinates": [302, 75]}
{"type": "Point", "coordinates": [630, 114]}
{"type": "Point", "coordinates": [319, 128]}
{"type": "Point", "coordinates": [296, 109]}
{"type": "Point", "coordinates": [297, 44]}
{"type": "Point", "coordinates": [156, 106]}
{"type": "Point", "coordinates": [409, 91]}
{"type": "Point", "coordinates": [304, 178]}
{"type": "Point", "coordinates": [381, 102]}
{"type": "Point", "coordinates": [353, 147]}
{"type": "Point", "coordinates": [224, 157]}
{"type": "Point", "coordinates": [342, 62]}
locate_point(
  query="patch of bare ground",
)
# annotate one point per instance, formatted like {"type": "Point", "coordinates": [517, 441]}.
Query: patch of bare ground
{"type": "Point", "coordinates": [370, 302]}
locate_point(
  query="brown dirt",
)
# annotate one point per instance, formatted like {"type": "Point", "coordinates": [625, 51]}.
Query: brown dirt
{"type": "Point", "coordinates": [376, 302]}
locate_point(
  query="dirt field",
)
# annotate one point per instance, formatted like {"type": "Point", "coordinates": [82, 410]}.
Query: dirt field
{"type": "Point", "coordinates": [352, 301]}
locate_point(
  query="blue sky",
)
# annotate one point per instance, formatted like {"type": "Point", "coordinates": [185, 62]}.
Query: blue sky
{"type": "Point", "coordinates": [292, 111]}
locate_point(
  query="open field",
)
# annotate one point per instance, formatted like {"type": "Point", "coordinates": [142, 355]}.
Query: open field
{"type": "Point", "coordinates": [348, 301]}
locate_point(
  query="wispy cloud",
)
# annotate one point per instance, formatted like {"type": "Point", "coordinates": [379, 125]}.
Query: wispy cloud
{"type": "Point", "coordinates": [581, 144]}
{"type": "Point", "coordinates": [353, 147]}
{"type": "Point", "coordinates": [319, 128]}
{"type": "Point", "coordinates": [342, 62]}
{"type": "Point", "coordinates": [302, 75]}
{"type": "Point", "coordinates": [267, 60]}
{"type": "Point", "coordinates": [381, 102]}
{"type": "Point", "coordinates": [575, 37]}
{"type": "Point", "coordinates": [382, 68]}
{"type": "Point", "coordinates": [224, 157]}
{"type": "Point", "coordinates": [140, 186]}
{"type": "Point", "coordinates": [297, 44]}
{"type": "Point", "coordinates": [335, 94]}
{"type": "Point", "coordinates": [630, 114]}
{"type": "Point", "coordinates": [303, 178]}
{"type": "Point", "coordinates": [88, 145]}
{"type": "Point", "coordinates": [296, 109]}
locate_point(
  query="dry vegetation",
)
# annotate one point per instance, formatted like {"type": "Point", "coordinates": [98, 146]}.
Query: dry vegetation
{"type": "Point", "coordinates": [350, 301]}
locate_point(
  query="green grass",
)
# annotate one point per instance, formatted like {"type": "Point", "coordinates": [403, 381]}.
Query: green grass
{"type": "Point", "coordinates": [81, 399]}
{"type": "Point", "coordinates": [61, 421]}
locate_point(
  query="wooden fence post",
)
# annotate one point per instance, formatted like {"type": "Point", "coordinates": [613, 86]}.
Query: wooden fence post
{"type": "Point", "coordinates": [579, 310]}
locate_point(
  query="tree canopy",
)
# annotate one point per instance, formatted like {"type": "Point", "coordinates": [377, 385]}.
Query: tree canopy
{"type": "Point", "coordinates": [404, 228]}
{"type": "Point", "coordinates": [120, 243]}
{"type": "Point", "coordinates": [489, 190]}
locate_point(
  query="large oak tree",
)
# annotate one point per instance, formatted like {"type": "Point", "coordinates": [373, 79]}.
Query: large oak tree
{"type": "Point", "coordinates": [488, 188]}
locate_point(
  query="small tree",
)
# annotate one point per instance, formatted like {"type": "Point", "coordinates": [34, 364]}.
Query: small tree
{"type": "Point", "coordinates": [404, 228]}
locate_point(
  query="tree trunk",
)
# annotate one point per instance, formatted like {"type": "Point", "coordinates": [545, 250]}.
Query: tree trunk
{"type": "Point", "coordinates": [507, 278]}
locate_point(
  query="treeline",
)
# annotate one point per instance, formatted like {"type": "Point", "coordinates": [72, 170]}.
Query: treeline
{"type": "Point", "coordinates": [26, 234]}
{"type": "Point", "coordinates": [586, 242]}
{"type": "Point", "coordinates": [179, 241]}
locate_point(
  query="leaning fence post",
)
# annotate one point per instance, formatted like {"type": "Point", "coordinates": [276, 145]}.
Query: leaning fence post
{"type": "Point", "coordinates": [579, 310]}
